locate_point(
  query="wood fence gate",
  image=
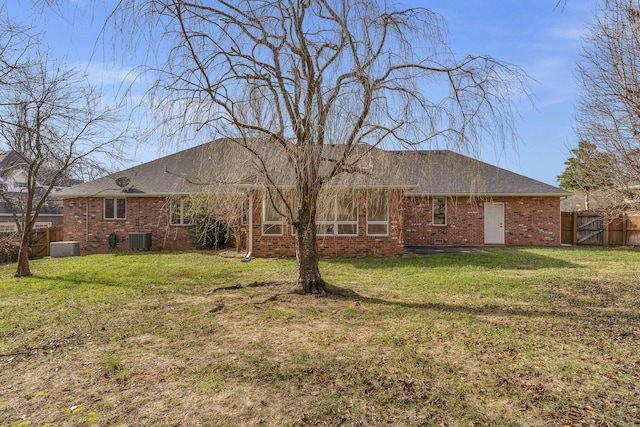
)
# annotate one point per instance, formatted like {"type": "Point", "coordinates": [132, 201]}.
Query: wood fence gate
{"type": "Point", "coordinates": [40, 240]}
{"type": "Point", "coordinates": [594, 228]}
{"type": "Point", "coordinates": [590, 229]}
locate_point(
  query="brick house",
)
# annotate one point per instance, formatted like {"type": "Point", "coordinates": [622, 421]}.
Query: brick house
{"type": "Point", "coordinates": [432, 198]}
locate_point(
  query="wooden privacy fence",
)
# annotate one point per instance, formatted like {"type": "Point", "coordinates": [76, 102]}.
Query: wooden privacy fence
{"type": "Point", "coordinates": [595, 228]}
{"type": "Point", "coordinates": [39, 243]}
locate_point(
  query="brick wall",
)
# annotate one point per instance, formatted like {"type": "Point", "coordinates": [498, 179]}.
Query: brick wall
{"type": "Point", "coordinates": [360, 245]}
{"type": "Point", "coordinates": [528, 221]}
{"type": "Point", "coordinates": [143, 214]}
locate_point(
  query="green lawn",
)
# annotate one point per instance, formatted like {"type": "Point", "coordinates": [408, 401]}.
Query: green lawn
{"type": "Point", "coordinates": [508, 337]}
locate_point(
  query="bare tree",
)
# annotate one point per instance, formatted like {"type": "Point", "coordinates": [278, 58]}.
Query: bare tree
{"type": "Point", "coordinates": [310, 88]}
{"type": "Point", "coordinates": [15, 41]}
{"type": "Point", "coordinates": [608, 112]}
{"type": "Point", "coordinates": [217, 211]}
{"type": "Point", "coordinates": [51, 121]}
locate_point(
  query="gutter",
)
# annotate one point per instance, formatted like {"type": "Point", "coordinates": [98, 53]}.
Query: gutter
{"type": "Point", "coordinates": [480, 195]}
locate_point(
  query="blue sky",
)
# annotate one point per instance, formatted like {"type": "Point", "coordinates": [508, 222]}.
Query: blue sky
{"type": "Point", "coordinates": [535, 35]}
{"type": "Point", "coordinates": [545, 42]}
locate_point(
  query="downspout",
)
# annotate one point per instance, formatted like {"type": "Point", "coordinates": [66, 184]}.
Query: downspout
{"type": "Point", "coordinates": [247, 257]}
{"type": "Point", "coordinates": [86, 219]}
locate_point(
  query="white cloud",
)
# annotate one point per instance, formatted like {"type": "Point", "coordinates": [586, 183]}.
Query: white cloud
{"type": "Point", "coordinates": [568, 33]}
{"type": "Point", "coordinates": [104, 73]}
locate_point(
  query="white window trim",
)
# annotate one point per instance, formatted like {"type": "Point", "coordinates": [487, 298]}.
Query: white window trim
{"type": "Point", "coordinates": [8, 227]}
{"type": "Point", "coordinates": [115, 208]}
{"type": "Point", "coordinates": [337, 223]}
{"type": "Point", "coordinates": [266, 224]}
{"type": "Point", "coordinates": [386, 222]}
{"type": "Point", "coordinates": [172, 205]}
{"type": "Point", "coordinates": [433, 212]}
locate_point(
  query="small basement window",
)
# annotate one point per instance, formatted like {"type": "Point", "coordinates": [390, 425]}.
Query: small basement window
{"type": "Point", "coordinates": [115, 208]}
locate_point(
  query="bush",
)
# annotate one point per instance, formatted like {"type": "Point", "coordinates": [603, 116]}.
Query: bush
{"type": "Point", "coordinates": [9, 247]}
{"type": "Point", "coordinates": [210, 233]}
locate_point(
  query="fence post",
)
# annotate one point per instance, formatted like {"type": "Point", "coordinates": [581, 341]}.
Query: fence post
{"type": "Point", "coordinates": [625, 237]}
{"type": "Point", "coordinates": [574, 232]}
{"type": "Point", "coordinates": [48, 240]}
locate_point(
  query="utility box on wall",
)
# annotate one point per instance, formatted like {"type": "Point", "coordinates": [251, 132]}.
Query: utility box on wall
{"type": "Point", "coordinates": [139, 241]}
{"type": "Point", "coordinates": [63, 249]}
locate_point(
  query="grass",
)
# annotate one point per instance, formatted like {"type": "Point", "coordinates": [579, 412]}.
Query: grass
{"type": "Point", "coordinates": [507, 337]}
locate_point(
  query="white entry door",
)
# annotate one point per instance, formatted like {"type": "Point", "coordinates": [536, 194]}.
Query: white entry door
{"type": "Point", "coordinates": [494, 223]}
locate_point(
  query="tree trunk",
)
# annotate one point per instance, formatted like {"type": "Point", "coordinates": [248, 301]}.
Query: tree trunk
{"type": "Point", "coordinates": [586, 200]}
{"type": "Point", "coordinates": [307, 258]}
{"type": "Point", "coordinates": [23, 269]}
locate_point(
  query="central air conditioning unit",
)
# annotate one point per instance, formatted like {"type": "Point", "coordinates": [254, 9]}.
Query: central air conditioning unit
{"type": "Point", "coordinates": [62, 249]}
{"type": "Point", "coordinates": [139, 241]}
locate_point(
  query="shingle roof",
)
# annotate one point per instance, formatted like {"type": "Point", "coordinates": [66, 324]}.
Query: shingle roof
{"type": "Point", "coordinates": [445, 173]}
{"type": "Point", "coordinates": [8, 161]}
{"type": "Point", "coordinates": [418, 172]}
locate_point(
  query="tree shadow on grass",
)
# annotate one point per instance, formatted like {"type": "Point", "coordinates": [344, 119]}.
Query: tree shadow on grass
{"type": "Point", "coordinates": [72, 280]}
{"type": "Point", "coordinates": [590, 316]}
{"type": "Point", "coordinates": [499, 259]}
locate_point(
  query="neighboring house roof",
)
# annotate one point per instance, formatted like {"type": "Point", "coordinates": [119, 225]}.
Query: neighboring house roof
{"type": "Point", "coordinates": [9, 166]}
{"type": "Point", "coordinates": [7, 160]}
{"type": "Point", "coordinates": [49, 208]}
{"type": "Point", "coordinates": [13, 182]}
{"type": "Point", "coordinates": [12, 165]}
{"type": "Point", "coordinates": [418, 172]}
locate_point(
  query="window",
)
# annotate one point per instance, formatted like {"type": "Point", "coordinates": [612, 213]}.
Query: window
{"type": "Point", "coordinates": [180, 214]}
{"type": "Point", "coordinates": [272, 224]}
{"type": "Point", "coordinates": [439, 211]}
{"type": "Point", "coordinates": [115, 208]}
{"type": "Point", "coordinates": [377, 214]}
{"type": "Point", "coordinates": [337, 215]}
{"type": "Point", "coordinates": [8, 227]}
{"type": "Point", "coordinates": [41, 225]}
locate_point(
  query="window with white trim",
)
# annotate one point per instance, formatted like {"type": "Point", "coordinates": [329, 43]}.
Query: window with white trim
{"type": "Point", "coordinates": [337, 215]}
{"type": "Point", "coordinates": [8, 227]}
{"type": "Point", "coordinates": [439, 211]}
{"type": "Point", "coordinates": [41, 225]}
{"type": "Point", "coordinates": [272, 223]}
{"type": "Point", "coordinates": [180, 212]}
{"type": "Point", "coordinates": [115, 208]}
{"type": "Point", "coordinates": [377, 214]}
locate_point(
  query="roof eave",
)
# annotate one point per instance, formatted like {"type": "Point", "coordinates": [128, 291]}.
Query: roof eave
{"type": "Point", "coordinates": [102, 195]}
{"type": "Point", "coordinates": [488, 194]}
